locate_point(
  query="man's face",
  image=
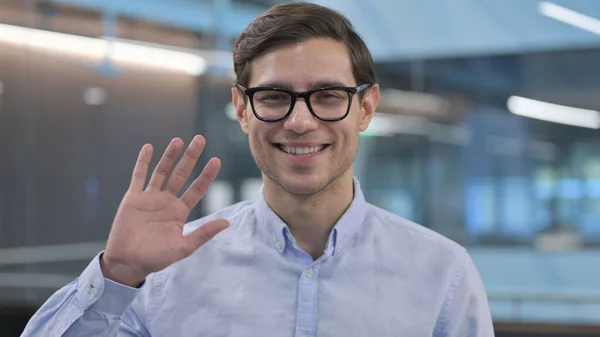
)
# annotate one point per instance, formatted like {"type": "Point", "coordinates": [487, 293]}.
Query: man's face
{"type": "Point", "coordinates": [275, 146]}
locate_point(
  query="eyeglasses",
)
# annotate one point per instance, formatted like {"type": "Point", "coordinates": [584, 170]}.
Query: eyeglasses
{"type": "Point", "coordinates": [329, 104]}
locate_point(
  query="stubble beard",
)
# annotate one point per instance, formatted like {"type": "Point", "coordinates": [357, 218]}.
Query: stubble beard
{"type": "Point", "coordinates": [266, 164]}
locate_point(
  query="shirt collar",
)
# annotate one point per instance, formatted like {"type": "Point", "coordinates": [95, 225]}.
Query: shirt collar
{"type": "Point", "coordinates": [277, 234]}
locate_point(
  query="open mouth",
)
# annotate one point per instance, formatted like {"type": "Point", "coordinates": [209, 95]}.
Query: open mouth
{"type": "Point", "coordinates": [302, 151]}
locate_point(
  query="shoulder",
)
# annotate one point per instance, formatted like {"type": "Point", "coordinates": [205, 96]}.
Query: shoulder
{"type": "Point", "coordinates": [409, 236]}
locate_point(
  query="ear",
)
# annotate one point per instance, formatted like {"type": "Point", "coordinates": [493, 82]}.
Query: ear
{"type": "Point", "coordinates": [368, 106]}
{"type": "Point", "coordinates": [239, 102]}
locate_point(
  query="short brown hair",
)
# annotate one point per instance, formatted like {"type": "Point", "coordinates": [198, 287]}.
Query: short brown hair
{"type": "Point", "coordinates": [295, 22]}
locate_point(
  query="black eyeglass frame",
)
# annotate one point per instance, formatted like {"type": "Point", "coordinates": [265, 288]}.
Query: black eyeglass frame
{"type": "Point", "coordinates": [250, 92]}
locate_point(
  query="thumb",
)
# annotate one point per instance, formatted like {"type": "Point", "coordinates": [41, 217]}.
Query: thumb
{"type": "Point", "coordinates": [202, 234]}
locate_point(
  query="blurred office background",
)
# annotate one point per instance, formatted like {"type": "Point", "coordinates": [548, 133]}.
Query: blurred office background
{"type": "Point", "coordinates": [487, 132]}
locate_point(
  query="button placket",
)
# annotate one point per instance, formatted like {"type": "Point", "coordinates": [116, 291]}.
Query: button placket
{"type": "Point", "coordinates": [307, 300]}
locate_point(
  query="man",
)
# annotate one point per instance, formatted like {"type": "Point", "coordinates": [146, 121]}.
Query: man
{"type": "Point", "coordinates": [309, 257]}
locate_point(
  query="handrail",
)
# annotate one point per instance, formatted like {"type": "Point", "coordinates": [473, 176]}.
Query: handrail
{"type": "Point", "coordinates": [518, 299]}
{"type": "Point", "coordinates": [545, 297]}
{"type": "Point", "coordinates": [50, 253]}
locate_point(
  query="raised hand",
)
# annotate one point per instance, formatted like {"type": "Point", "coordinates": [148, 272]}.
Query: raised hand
{"type": "Point", "coordinates": [146, 235]}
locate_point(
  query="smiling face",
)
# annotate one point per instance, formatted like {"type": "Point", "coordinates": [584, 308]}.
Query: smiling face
{"type": "Point", "coordinates": [301, 153]}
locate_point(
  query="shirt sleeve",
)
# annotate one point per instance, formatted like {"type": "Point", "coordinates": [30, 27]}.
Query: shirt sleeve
{"type": "Point", "coordinates": [466, 310]}
{"type": "Point", "coordinates": [89, 306]}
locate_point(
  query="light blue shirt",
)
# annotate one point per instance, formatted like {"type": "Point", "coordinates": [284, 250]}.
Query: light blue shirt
{"type": "Point", "coordinates": [380, 275]}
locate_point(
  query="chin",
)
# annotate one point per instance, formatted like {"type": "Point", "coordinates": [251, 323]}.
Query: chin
{"type": "Point", "coordinates": [302, 184]}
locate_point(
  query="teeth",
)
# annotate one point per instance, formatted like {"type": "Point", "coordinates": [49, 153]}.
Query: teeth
{"type": "Point", "coordinates": [302, 151]}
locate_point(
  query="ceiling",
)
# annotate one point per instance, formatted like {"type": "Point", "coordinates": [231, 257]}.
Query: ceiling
{"type": "Point", "coordinates": [395, 30]}
{"type": "Point", "coordinates": [408, 29]}
{"type": "Point", "coordinates": [493, 47]}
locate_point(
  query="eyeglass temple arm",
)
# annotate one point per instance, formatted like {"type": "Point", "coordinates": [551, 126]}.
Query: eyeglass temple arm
{"type": "Point", "coordinates": [362, 87]}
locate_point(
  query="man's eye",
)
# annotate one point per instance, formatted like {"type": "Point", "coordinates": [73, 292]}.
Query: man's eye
{"type": "Point", "coordinates": [330, 95]}
{"type": "Point", "coordinates": [272, 97]}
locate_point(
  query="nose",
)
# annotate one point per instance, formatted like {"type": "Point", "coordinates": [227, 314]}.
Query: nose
{"type": "Point", "coordinates": [301, 120]}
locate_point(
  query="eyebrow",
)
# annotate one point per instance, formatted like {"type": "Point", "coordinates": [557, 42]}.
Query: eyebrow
{"type": "Point", "coordinates": [311, 86]}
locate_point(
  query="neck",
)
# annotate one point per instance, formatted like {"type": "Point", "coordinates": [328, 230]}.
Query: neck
{"type": "Point", "coordinates": [311, 218]}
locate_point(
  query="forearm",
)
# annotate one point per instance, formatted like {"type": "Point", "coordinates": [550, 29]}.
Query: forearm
{"type": "Point", "coordinates": [89, 306]}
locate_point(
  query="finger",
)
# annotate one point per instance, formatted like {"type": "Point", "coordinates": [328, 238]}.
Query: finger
{"type": "Point", "coordinates": [164, 166]}
{"type": "Point", "coordinates": [200, 186]}
{"type": "Point", "coordinates": [202, 234]}
{"type": "Point", "coordinates": [185, 166]}
{"type": "Point", "coordinates": [140, 171]}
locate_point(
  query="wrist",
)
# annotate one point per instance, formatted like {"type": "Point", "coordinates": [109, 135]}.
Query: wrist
{"type": "Point", "coordinates": [120, 273]}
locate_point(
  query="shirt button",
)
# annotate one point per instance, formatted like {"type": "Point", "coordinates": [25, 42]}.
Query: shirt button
{"type": "Point", "coordinates": [337, 249]}
{"type": "Point", "coordinates": [93, 291]}
{"type": "Point", "coordinates": [304, 335]}
{"type": "Point", "coordinates": [279, 245]}
{"type": "Point", "coordinates": [309, 272]}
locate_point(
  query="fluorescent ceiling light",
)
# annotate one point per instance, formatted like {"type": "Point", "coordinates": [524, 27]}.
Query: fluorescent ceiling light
{"type": "Point", "coordinates": [99, 49]}
{"type": "Point", "coordinates": [570, 17]}
{"type": "Point", "coordinates": [553, 112]}
{"type": "Point", "coordinates": [412, 101]}
{"type": "Point", "coordinates": [383, 125]}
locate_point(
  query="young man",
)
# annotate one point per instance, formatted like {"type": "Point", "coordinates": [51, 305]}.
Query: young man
{"type": "Point", "coordinates": [309, 257]}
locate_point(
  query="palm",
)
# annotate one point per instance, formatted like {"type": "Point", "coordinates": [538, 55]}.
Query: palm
{"type": "Point", "coordinates": [154, 207]}
{"type": "Point", "coordinates": [146, 235]}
